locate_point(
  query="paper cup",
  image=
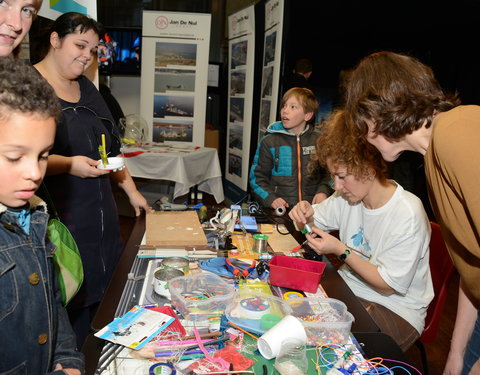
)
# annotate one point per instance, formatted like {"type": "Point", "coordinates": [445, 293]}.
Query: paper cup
{"type": "Point", "coordinates": [270, 342]}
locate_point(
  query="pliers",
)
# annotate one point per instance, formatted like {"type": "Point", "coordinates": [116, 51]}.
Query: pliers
{"type": "Point", "coordinates": [238, 274]}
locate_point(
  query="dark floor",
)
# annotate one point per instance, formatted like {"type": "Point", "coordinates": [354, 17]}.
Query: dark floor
{"type": "Point", "coordinates": [437, 351]}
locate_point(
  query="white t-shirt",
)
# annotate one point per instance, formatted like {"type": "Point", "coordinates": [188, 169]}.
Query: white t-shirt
{"type": "Point", "coordinates": [396, 237]}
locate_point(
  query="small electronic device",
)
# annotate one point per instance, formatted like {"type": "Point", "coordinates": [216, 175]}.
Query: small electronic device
{"type": "Point", "coordinates": [165, 205]}
{"type": "Point", "coordinates": [247, 222]}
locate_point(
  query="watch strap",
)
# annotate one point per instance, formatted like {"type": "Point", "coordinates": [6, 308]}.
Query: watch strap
{"type": "Point", "coordinates": [345, 254]}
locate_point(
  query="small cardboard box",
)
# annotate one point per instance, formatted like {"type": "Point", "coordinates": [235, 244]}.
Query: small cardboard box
{"type": "Point", "coordinates": [212, 138]}
{"type": "Point", "coordinates": [296, 273]}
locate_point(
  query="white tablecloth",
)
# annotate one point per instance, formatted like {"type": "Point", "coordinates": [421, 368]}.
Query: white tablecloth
{"type": "Point", "coordinates": [186, 168]}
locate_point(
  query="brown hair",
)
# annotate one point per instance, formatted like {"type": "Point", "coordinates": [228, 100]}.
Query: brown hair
{"type": "Point", "coordinates": [338, 144]}
{"type": "Point", "coordinates": [66, 24]}
{"type": "Point", "coordinates": [303, 66]}
{"type": "Point", "coordinates": [397, 92]}
{"type": "Point", "coordinates": [306, 98]}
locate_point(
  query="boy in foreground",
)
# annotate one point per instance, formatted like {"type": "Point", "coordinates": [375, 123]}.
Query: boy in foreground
{"type": "Point", "coordinates": [38, 338]}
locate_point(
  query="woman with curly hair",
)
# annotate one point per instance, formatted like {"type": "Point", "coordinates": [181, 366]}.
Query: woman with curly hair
{"type": "Point", "coordinates": [384, 233]}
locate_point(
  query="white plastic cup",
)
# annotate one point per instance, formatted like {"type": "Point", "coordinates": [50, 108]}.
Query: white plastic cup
{"type": "Point", "coordinates": [270, 343]}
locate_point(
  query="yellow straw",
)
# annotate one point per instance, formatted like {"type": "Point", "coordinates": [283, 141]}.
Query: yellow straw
{"type": "Point", "coordinates": [104, 152]}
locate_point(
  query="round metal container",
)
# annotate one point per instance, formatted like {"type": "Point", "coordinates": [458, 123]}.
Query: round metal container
{"type": "Point", "coordinates": [177, 263]}
{"type": "Point", "coordinates": [260, 243]}
{"type": "Point", "coordinates": [160, 280]}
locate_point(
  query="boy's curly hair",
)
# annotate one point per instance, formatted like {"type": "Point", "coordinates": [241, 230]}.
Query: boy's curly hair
{"type": "Point", "coordinates": [24, 90]}
{"type": "Point", "coordinates": [339, 144]}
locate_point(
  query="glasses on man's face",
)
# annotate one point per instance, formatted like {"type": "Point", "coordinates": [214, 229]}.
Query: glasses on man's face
{"type": "Point", "coordinates": [26, 11]}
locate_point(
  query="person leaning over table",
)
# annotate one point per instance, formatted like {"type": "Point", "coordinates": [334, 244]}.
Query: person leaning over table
{"type": "Point", "coordinates": [81, 192]}
{"type": "Point", "coordinates": [397, 105]}
{"type": "Point", "coordinates": [384, 233]}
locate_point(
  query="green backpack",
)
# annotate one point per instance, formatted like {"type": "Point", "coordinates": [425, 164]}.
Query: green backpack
{"type": "Point", "coordinates": [66, 259]}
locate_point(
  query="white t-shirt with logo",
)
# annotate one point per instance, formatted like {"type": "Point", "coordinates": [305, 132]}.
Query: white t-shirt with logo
{"type": "Point", "coordinates": [396, 238]}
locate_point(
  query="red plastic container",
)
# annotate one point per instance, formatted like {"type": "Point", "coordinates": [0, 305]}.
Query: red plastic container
{"type": "Point", "coordinates": [296, 273]}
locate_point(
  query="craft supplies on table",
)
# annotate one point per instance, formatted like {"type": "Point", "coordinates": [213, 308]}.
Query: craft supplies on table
{"type": "Point", "coordinates": [270, 343]}
{"type": "Point", "coordinates": [260, 243]}
{"type": "Point", "coordinates": [255, 311]}
{"type": "Point", "coordinates": [178, 263]}
{"type": "Point", "coordinates": [201, 296]}
{"type": "Point", "coordinates": [161, 277]}
{"type": "Point", "coordinates": [326, 320]}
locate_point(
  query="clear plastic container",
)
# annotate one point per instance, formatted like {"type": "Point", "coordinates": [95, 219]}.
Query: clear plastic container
{"type": "Point", "coordinates": [326, 320]}
{"type": "Point", "coordinates": [255, 311]}
{"type": "Point", "coordinates": [200, 296]}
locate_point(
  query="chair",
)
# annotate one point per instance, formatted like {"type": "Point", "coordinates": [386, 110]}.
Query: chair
{"type": "Point", "coordinates": [441, 268]}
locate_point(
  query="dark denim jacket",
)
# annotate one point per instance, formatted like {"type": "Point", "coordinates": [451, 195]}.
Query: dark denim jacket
{"type": "Point", "coordinates": [36, 333]}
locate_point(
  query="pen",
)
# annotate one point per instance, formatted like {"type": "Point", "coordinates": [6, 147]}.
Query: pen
{"type": "Point", "coordinates": [241, 329]}
{"type": "Point", "coordinates": [172, 353]}
{"type": "Point", "coordinates": [149, 306]}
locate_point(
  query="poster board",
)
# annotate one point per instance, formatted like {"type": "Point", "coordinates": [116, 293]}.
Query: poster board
{"type": "Point", "coordinates": [241, 60]}
{"type": "Point", "coordinates": [174, 228]}
{"type": "Point", "coordinates": [272, 53]}
{"type": "Point", "coordinates": [175, 49]}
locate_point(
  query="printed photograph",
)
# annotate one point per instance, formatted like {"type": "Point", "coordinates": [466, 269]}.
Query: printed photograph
{"type": "Point", "coordinates": [237, 82]}
{"type": "Point", "coordinates": [267, 81]}
{"type": "Point", "coordinates": [236, 109]}
{"type": "Point", "coordinates": [270, 42]}
{"type": "Point", "coordinates": [235, 137]}
{"type": "Point", "coordinates": [172, 105]}
{"type": "Point", "coordinates": [265, 106]}
{"type": "Point", "coordinates": [239, 54]}
{"type": "Point", "coordinates": [175, 54]}
{"type": "Point", "coordinates": [234, 164]}
{"type": "Point", "coordinates": [174, 80]}
{"type": "Point", "coordinates": [172, 130]}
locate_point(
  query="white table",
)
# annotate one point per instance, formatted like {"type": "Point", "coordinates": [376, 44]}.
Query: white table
{"type": "Point", "coordinates": [185, 166]}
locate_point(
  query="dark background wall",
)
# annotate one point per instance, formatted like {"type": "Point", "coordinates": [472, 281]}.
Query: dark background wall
{"type": "Point", "coordinates": [336, 34]}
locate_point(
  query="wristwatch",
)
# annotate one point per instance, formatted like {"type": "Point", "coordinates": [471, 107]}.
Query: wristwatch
{"type": "Point", "coordinates": [344, 255]}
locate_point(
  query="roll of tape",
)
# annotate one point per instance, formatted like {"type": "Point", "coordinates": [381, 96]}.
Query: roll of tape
{"type": "Point", "coordinates": [162, 368]}
{"type": "Point", "coordinates": [280, 211]}
{"type": "Point", "coordinates": [291, 295]}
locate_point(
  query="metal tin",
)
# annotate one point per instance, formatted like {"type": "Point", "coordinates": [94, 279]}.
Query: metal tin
{"type": "Point", "coordinates": [160, 280]}
{"type": "Point", "coordinates": [178, 263]}
{"type": "Point", "coordinates": [259, 243]}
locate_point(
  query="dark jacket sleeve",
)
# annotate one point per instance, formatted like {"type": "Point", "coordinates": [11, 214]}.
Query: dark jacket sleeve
{"type": "Point", "coordinates": [324, 184]}
{"type": "Point", "coordinates": [260, 172]}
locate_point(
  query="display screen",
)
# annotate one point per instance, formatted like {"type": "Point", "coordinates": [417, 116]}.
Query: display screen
{"type": "Point", "coordinates": [125, 52]}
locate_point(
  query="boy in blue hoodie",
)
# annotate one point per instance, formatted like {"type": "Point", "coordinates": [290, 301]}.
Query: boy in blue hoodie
{"type": "Point", "coordinates": [280, 175]}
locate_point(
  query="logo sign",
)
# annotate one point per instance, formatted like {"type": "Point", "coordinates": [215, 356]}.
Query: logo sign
{"type": "Point", "coordinates": [161, 22]}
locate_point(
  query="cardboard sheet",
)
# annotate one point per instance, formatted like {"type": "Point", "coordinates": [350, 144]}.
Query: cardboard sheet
{"type": "Point", "coordinates": [280, 242]}
{"type": "Point", "coordinates": [174, 228]}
